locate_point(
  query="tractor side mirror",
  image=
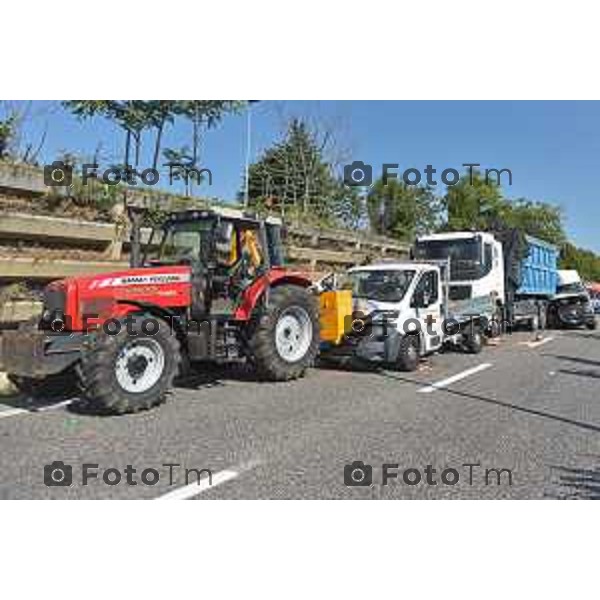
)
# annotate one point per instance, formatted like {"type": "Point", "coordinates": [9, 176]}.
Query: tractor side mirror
{"type": "Point", "coordinates": [223, 240]}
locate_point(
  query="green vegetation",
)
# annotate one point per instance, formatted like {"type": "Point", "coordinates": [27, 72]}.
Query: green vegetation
{"type": "Point", "coordinates": [403, 211]}
{"type": "Point", "coordinates": [587, 263]}
{"type": "Point", "coordinates": [135, 117]}
{"type": "Point", "coordinates": [294, 179]}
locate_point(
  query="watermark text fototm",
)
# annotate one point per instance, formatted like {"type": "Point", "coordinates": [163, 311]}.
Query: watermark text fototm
{"type": "Point", "coordinates": [360, 474]}
{"type": "Point", "coordinates": [358, 174]}
{"type": "Point", "coordinates": [59, 474]}
{"type": "Point", "coordinates": [59, 173]}
{"type": "Point", "coordinates": [356, 324]}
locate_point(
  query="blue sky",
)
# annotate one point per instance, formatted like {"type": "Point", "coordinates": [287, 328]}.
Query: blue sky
{"type": "Point", "coordinates": [552, 148]}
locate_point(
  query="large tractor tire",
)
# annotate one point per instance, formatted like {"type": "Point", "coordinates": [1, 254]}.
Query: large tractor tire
{"type": "Point", "coordinates": [284, 340]}
{"type": "Point", "coordinates": [127, 373]}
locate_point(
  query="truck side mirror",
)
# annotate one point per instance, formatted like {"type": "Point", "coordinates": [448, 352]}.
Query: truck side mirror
{"type": "Point", "coordinates": [421, 299]}
{"type": "Point", "coordinates": [417, 299]}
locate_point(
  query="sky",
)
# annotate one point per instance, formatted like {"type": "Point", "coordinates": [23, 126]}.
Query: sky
{"type": "Point", "coordinates": [552, 148]}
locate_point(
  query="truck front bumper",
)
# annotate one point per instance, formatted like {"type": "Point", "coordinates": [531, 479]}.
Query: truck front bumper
{"type": "Point", "coordinates": [380, 345]}
{"type": "Point", "coordinates": [576, 318]}
{"type": "Point", "coordinates": [33, 353]}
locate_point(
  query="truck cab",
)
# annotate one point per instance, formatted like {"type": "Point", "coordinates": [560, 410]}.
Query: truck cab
{"type": "Point", "coordinates": [476, 264]}
{"type": "Point", "coordinates": [571, 306]}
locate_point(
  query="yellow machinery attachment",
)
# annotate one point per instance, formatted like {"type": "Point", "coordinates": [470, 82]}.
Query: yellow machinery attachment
{"type": "Point", "coordinates": [334, 308]}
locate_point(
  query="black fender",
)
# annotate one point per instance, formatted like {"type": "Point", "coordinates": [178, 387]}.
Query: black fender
{"type": "Point", "coordinates": [171, 317]}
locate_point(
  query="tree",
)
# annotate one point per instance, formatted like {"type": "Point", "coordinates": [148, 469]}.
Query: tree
{"type": "Point", "coordinates": [585, 262]}
{"type": "Point", "coordinates": [12, 145]}
{"type": "Point", "coordinates": [473, 203]}
{"type": "Point", "coordinates": [7, 132]}
{"type": "Point", "coordinates": [539, 219]}
{"type": "Point", "coordinates": [136, 116]}
{"type": "Point", "coordinates": [294, 178]}
{"type": "Point", "coordinates": [402, 210]}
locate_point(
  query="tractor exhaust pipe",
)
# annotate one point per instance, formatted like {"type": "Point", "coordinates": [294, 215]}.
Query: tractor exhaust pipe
{"type": "Point", "coordinates": [135, 236]}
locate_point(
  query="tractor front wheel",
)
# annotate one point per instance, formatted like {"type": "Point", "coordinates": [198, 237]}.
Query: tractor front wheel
{"type": "Point", "coordinates": [284, 340]}
{"type": "Point", "coordinates": [127, 373]}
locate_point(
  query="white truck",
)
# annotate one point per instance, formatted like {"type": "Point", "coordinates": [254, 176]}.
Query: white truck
{"type": "Point", "coordinates": [401, 312]}
{"type": "Point", "coordinates": [518, 273]}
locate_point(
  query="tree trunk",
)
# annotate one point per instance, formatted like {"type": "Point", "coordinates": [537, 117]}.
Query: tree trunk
{"type": "Point", "coordinates": [157, 144]}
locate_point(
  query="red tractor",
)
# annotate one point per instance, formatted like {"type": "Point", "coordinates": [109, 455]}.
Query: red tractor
{"type": "Point", "coordinates": [211, 287]}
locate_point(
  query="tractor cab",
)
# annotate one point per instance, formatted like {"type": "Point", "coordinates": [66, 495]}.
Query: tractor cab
{"type": "Point", "coordinates": [226, 251]}
{"type": "Point", "coordinates": [224, 239]}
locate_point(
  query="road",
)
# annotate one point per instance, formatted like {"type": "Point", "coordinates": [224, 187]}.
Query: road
{"type": "Point", "coordinates": [530, 407]}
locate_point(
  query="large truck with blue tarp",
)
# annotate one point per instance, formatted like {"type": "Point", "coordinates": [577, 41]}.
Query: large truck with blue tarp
{"type": "Point", "coordinates": [515, 272]}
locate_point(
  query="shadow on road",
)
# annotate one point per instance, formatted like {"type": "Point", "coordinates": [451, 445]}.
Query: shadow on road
{"type": "Point", "coordinates": [581, 373]}
{"type": "Point", "coordinates": [588, 334]}
{"type": "Point", "coordinates": [575, 483]}
{"type": "Point", "coordinates": [575, 359]}
{"type": "Point", "coordinates": [502, 403]}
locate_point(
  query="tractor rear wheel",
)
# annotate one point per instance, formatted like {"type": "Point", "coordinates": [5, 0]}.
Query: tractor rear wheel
{"type": "Point", "coordinates": [125, 373]}
{"type": "Point", "coordinates": [284, 340]}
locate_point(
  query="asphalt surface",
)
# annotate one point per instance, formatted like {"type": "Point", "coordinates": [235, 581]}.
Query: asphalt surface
{"type": "Point", "coordinates": [532, 408]}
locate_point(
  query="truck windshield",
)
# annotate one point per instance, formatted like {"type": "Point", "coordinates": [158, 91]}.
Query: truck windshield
{"type": "Point", "coordinates": [571, 288]}
{"type": "Point", "coordinates": [382, 285]}
{"type": "Point", "coordinates": [465, 256]}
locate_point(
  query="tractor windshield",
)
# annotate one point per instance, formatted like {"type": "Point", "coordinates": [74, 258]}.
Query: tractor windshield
{"type": "Point", "coordinates": [185, 241]}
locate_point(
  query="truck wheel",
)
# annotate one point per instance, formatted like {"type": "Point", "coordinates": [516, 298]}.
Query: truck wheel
{"type": "Point", "coordinates": [408, 353]}
{"type": "Point", "coordinates": [61, 385]}
{"type": "Point", "coordinates": [473, 342]}
{"type": "Point", "coordinates": [285, 340]}
{"type": "Point", "coordinates": [125, 373]}
{"type": "Point", "coordinates": [592, 324]}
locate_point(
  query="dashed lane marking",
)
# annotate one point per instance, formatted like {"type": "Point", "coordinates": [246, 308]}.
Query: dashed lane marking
{"type": "Point", "coordinates": [449, 380]}
{"type": "Point", "coordinates": [13, 412]}
{"type": "Point", "coordinates": [198, 487]}
{"type": "Point", "coordinates": [538, 343]}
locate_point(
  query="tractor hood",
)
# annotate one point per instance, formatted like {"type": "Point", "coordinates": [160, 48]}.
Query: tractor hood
{"type": "Point", "coordinates": [117, 293]}
{"type": "Point", "coordinates": [134, 280]}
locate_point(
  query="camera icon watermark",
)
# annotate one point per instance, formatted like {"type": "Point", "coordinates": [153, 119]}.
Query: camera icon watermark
{"type": "Point", "coordinates": [58, 474]}
{"type": "Point", "coordinates": [358, 174]}
{"type": "Point", "coordinates": [58, 174]}
{"type": "Point", "coordinates": [358, 474]}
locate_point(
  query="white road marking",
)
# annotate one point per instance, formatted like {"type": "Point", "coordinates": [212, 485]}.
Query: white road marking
{"type": "Point", "coordinates": [445, 382]}
{"type": "Point", "coordinates": [53, 406]}
{"type": "Point", "coordinates": [539, 342]}
{"type": "Point", "coordinates": [196, 488]}
{"type": "Point", "coordinates": [11, 412]}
